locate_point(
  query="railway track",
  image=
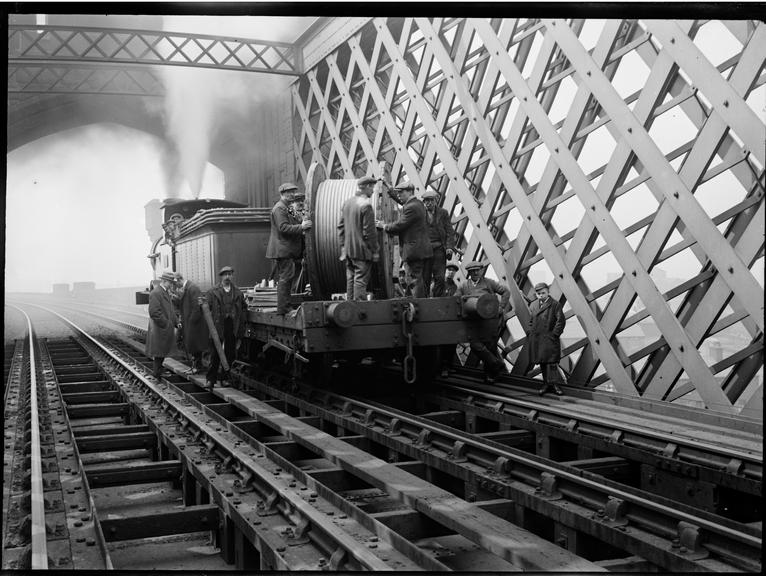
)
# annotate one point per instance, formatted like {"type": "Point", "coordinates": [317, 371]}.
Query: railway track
{"type": "Point", "coordinates": [599, 516]}
{"type": "Point", "coordinates": [277, 509]}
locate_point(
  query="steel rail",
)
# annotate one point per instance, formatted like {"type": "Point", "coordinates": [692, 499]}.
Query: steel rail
{"type": "Point", "coordinates": [293, 504]}
{"type": "Point", "coordinates": [724, 450]}
{"type": "Point", "coordinates": [361, 415]}
{"type": "Point", "coordinates": [48, 371]}
{"type": "Point", "coordinates": [37, 493]}
{"type": "Point", "coordinates": [682, 452]}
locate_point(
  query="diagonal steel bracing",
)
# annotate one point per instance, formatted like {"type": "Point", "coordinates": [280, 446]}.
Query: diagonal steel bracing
{"type": "Point", "coordinates": [462, 106]}
{"type": "Point", "coordinates": [28, 44]}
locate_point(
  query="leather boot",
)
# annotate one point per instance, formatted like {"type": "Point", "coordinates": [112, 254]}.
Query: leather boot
{"type": "Point", "coordinates": [557, 391]}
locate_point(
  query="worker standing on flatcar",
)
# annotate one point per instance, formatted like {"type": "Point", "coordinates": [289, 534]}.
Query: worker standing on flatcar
{"type": "Point", "coordinates": [359, 239]}
{"type": "Point", "coordinates": [162, 323]}
{"type": "Point", "coordinates": [546, 324]}
{"type": "Point", "coordinates": [193, 325]}
{"type": "Point", "coordinates": [476, 285]}
{"type": "Point", "coordinates": [228, 309]}
{"type": "Point", "coordinates": [286, 244]}
{"type": "Point", "coordinates": [441, 234]}
{"type": "Point", "coordinates": [414, 245]}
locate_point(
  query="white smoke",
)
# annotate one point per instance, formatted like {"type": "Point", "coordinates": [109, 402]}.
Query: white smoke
{"type": "Point", "coordinates": [199, 102]}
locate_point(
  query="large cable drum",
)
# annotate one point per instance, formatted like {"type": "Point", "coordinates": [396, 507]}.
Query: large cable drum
{"type": "Point", "coordinates": [326, 272]}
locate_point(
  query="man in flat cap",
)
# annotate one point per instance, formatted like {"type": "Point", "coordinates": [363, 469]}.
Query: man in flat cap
{"type": "Point", "coordinates": [358, 239]}
{"type": "Point", "coordinates": [414, 245]}
{"type": "Point", "coordinates": [193, 325]}
{"type": "Point", "coordinates": [228, 309]}
{"type": "Point", "coordinates": [450, 286]}
{"type": "Point", "coordinates": [546, 323]}
{"type": "Point", "coordinates": [162, 323]}
{"type": "Point", "coordinates": [475, 285]}
{"type": "Point", "coordinates": [286, 244]}
{"type": "Point", "coordinates": [441, 234]}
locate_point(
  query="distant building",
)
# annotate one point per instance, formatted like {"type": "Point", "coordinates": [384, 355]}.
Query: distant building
{"type": "Point", "coordinates": [83, 289]}
{"type": "Point", "coordinates": [61, 289]}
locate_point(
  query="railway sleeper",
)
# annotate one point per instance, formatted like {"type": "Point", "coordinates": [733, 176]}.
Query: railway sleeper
{"type": "Point", "coordinates": [617, 531]}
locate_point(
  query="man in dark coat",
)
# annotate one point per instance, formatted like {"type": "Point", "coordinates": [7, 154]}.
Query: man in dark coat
{"type": "Point", "coordinates": [194, 327]}
{"type": "Point", "coordinates": [228, 309]}
{"type": "Point", "coordinates": [476, 285]}
{"type": "Point", "coordinates": [414, 245]}
{"type": "Point", "coordinates": [545, 326]}
{"type": "Point", "coordinates": [162, 322]}
{"type": "Point", "coordinates": [285, 244]}
{"type": "Point", "coordinates": [358, 239]}
{"type": "Point", "coordinates": [441, 234]}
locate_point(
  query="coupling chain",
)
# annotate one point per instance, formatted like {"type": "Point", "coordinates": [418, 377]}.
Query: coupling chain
{"type": "Point", "coordinates": [410, 364]}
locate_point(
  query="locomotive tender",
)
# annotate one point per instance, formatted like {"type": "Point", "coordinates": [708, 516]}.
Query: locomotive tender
{"type": "Point", "coordinates": [200, 236]}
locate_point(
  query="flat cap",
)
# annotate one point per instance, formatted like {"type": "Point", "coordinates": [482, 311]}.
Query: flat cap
{"type": "Point", "coordinates": [364, 180]}
{"type": "Point", "coordinates": [453, 265]}
{"type": "Point", "coordinates": [430, 194]}
{"type": "Point", "coordinates": [179, 277]}
{"type": "Point", "coordinates": [168, 275]}
{"type": "Point", "coordinates": [474, 264]}
{"type": "Point", "coordinates": [225, 269]}
{"type": "Point", "coordinates": [287, 187]}
{"type": "Point", "coordinates": [405, 186]}
{"type": "Point", "coordinates": [541, 286]}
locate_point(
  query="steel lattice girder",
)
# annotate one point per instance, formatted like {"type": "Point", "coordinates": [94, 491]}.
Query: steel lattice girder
{"type": "Point", "coordinates": [77, 79]}
{"type": "Point", "coordinates": [462, 106]}
{"type": "Point", "coordinates": [56, 44]}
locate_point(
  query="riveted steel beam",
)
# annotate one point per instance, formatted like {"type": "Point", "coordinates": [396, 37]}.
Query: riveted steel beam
{"type": "Point", "coordinates": [721, 254]}
{"type": "Point", "coordinates": [46, 44]}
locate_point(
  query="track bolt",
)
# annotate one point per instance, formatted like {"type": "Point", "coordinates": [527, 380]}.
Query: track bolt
{"type": "Point", "coordinates": [675, 543]}
{"type": "Point", "coordinates": [229, 493]}
{"type": "Point", "coordinates": [80, 539]}
{"type": "Point", "coordinates": [373, 538]}
{"type": "Point", "coordinates": [91, 542]}
{"type": "Point", "coordinates": [237, 501]}
{"type": "Point", "coordinates": [600, 512]}
{"type": "Point", "coordinates": [281, 549]}
{"type": "Point", "coordinates": [73, 506]}
{"type": "Point", "coordinates": [682, 550]}
{"type": "Point", "coordinates": [78, 524]}
{"type": "Point", "coordinates": [372, 545]}
{"type": "Point", "coordinates": [313, 495]}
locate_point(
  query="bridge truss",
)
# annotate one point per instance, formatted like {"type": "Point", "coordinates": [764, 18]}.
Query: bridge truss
{"type": "Point", "coordinates": [473, 109]}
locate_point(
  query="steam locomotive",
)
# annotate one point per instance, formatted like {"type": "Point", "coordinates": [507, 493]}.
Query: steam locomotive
{"type": "Point", "coordinates": [197, 237]}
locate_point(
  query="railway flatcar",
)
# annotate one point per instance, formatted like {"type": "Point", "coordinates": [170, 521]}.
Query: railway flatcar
{"type": "Point", "coordinates": [325, 331]}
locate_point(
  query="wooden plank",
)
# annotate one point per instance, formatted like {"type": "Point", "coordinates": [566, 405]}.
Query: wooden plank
{"type": "Point", "coordinates": [97, 410]}
{"type": "Point", "coordinates": [129, 441]}
{"type": "Point", "coordinates": [106, 396]}
{"type": "Point", "coordinates": [164, 523]}
{"type": "Point", "coordinates": [142, 473]}
{"type": "Point", "coordinates": [102, 431]}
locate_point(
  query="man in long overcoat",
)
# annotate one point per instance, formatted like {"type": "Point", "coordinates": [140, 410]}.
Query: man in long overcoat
{"type": "Point", "coordinates": [546, 324]}
{"type": "Point", "coordinates": [441, 234]}
{"type": "Point", "coordinates": [476, 285]}
{"type": "Point", "coordinates": [358, 239]}
{"type": "Point", "coordinates": [162, 323]}
{"type": "Point", "coordinates": [414, 245]}
{"type": "Point", "coordinates": [193, 325]}
{"type": "Point", "coordinates": [228, 309]}
{"type": "Point", "coordinates": [285, 244]}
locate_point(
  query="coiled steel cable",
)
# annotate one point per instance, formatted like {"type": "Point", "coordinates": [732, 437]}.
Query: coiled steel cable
{"type": "Point", "coordinates": [331, 194]}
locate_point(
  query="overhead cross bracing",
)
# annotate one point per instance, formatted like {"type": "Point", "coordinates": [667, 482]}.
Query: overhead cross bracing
{"type": "Point", "coordinates": [526, 129]}
{"type": "Point", "coordinates": [30, 45]}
